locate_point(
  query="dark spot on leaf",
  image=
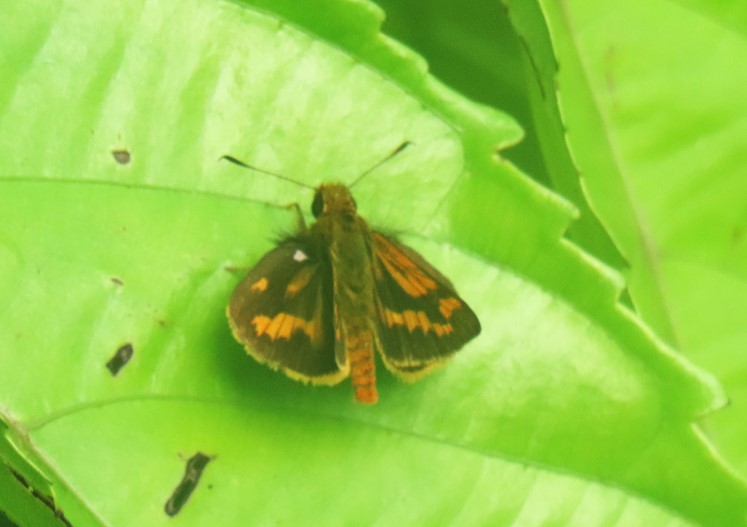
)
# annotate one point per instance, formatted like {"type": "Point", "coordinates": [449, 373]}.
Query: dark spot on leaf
{"type": "Point", "coordinates": [610, 64]}
{"type": "Point", "coordinates": [121, 357]}
{"type": "Point", "coordinates": [195, 465]}
{"type": "Point", "coordinates": [122, 156]}
{"type": "Point", "coordinates": [117, 280]}
{"type": "Point", "coordinates": [47, 500]}
{"type": "Point", "coordinates": [737, 235]}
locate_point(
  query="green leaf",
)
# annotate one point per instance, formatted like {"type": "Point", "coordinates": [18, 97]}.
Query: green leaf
{"type": "Point", "coordinates": [661, 144]}
{"type": "Point", "coordinates": [566, 410]}
{"type": "Point", "coordinates": [476, 52]}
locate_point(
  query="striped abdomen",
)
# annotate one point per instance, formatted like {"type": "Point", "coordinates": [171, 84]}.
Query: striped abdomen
{"type": "Point", "coordinates": [360, 351]}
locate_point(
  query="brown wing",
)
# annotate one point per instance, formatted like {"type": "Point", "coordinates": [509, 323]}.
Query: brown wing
{"type": "Point", "coordinates": [283, 313]}
{"type": "Point", "coordinates": [422, 320]}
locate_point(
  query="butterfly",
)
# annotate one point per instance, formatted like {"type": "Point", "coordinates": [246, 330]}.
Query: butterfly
{"type": "Point", "coordinates": [319, 304]}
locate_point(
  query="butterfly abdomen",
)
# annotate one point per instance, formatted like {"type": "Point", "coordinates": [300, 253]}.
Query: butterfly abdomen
{"type": "Point", "coordinates": [360, 350]}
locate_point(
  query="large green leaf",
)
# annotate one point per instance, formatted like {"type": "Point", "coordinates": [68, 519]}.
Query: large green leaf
{"type": "Point", "coordinates": [564, 411]}
{"type": "Point", "coordinates": [476, 51]}
{"type": "Point", "coordinates": [657, 124]}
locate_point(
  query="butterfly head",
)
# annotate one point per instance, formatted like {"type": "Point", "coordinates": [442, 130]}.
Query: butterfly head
{"type": "Point", "coordinates": [333, 197]}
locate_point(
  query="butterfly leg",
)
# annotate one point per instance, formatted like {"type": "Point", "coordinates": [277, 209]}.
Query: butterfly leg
{"type": "Point", "coordinates": [300, 222]}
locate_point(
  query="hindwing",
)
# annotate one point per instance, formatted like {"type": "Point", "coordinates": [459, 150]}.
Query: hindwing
{"type": "Point", "coordinates": [422, 321]}
{"type": "Point", "coordinates": [283, 312]}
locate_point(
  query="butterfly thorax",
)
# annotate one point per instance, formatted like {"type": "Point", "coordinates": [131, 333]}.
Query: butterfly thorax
{"type": "Point", "coordinates": [348, 239]}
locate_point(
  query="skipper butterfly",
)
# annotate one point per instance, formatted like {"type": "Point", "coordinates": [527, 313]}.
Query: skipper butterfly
{"type": "Point", "coordinates": [318, 305]}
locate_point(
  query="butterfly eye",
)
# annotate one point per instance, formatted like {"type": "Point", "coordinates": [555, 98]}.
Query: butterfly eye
{"type": "Point", "coordinates": [317, 206]}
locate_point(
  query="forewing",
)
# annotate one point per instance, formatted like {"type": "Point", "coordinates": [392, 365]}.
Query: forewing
{"type": "Point", "coordinates": [283, 312]}
{"type": "Point", "coordinates": [422, 320]}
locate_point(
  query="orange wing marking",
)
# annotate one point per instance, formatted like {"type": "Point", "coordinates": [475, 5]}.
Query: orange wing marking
{"type": "Point", "coordinates": [260, 285]}
{"type": "Point", "coordinates": [300, 281]}
{"type": "Point", "coordinates": [406, 273]}
{"type": "Point", "coordinates": [283, 325]}
{"type": "Point", "coordinates": [447, 306]}
{"type": "Point", "coordinates": [415, 320]}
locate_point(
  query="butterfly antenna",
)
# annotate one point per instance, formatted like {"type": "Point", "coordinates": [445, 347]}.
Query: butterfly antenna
{"type": "Point", "coordinates": [393, 153]}
{"type": "Point", "coordinates": [240, 163]}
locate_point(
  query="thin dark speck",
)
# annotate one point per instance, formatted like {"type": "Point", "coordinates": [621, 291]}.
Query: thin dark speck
{"type": "Point", "coordinates": [117, 280]}
{"type": "Point", "coordinates": [120, 358]}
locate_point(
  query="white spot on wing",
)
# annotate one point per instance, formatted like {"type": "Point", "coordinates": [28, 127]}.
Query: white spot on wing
{"type": "Point", "coordinates": [300, 256]}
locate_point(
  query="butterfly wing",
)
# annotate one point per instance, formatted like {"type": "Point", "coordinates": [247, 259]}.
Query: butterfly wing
{"type": "Point", "coordinates": [283, 313]}
{"type": "Point", "coordinates": [422, 320]}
